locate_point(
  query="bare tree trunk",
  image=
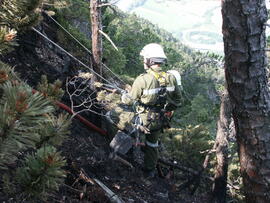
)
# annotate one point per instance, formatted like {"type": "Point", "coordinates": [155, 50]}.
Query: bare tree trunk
{"type": "Point", "coordinates": [245, 71]}
{"type": "Point", "coordinates": [223, 131]}
{"type": "Point", "coordinates": [96, 25]}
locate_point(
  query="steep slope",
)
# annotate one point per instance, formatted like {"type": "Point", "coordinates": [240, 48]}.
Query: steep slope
{"type": "Point", "coordinates": [86, 152]}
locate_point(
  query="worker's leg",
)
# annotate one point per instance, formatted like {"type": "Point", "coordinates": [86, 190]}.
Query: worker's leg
{"type": "Point", "coordinates": [151, 152]}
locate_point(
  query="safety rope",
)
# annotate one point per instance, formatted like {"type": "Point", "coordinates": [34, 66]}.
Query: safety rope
{"type": "Point", "coordinates": [80, 62]}
{"type": "Point", "coordinates": [55, 21]}
{"type": "Point", "coordinates": [68, 33]}
{"type": "Point", "coordinates": [113, 73]}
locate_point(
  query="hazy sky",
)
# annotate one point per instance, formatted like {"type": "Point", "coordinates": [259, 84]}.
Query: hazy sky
{"type": "Point", "coordinates": [124, 5]}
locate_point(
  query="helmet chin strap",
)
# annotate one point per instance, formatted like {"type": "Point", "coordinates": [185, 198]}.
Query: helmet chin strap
{"type": "Point", "coordinates": [148, 65]}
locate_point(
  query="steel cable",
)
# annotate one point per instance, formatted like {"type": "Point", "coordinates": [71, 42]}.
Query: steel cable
{"type": "Point", "coordinates": [55, 21]}
{"type": "Point", "coordinates": [73, 57]}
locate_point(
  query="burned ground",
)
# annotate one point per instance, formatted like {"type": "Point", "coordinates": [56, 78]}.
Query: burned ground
{"type": "Point", "coordinates": [87, 154]}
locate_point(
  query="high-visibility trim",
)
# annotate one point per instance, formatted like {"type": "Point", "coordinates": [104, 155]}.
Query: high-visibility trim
{"type": "Point", "coordinates": [156, 90]}
{"type": "Point", "coordinates": [151, 91]}
{"type": "Point", "coordinates": [170, 89]}
{"type": "Point", "coordinates": [151, 144]}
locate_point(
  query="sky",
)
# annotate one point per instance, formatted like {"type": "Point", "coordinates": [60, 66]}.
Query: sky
{"type": "Point", "coordinates": [124, 5]}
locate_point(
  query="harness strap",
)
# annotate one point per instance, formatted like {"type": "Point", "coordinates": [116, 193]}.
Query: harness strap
{"type": "Point", "coordinates": [160, 76]}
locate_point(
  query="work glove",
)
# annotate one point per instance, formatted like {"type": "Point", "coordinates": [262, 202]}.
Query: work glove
{"type": "Point", "coordinates": [144, 129]}
{"type": "Point", "coordinates": [125, 98]}
{"type": "Point", "coordinates": [127, 87]}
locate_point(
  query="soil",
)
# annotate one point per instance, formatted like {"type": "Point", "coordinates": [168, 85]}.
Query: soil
{"type": "Point", "coordinates": [87, 153]}
{"type": "Point", "coordinates": [89, 160]}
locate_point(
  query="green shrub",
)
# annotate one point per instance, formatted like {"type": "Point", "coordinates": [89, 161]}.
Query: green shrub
{"type": "Point", "coordinates": [41, 173]}
{"type": "Point", "coordinates": [186, 145]}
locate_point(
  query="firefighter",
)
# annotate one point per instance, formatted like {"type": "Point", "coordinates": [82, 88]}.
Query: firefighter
{"type": "Point", "coordinates": [157, 94]}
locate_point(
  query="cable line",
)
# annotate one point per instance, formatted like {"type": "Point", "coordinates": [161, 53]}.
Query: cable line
{"type": "Point", "coordinates": [69, 33]}
{"type": "Point", "coordinates": [55, 21]}
{"type": "Point", "coordinates": [73, 57]}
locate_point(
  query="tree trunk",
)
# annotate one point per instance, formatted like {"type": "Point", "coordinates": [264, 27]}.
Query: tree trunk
{"type": "Point", "coordinates": [245, 71]}
{"type": "Point", "coordinates": [223, 131]}
{"type": "Point", "coordinates": [96, 25]}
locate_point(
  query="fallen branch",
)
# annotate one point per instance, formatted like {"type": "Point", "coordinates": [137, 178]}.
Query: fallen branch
{"type": "Point", "coordinates": [110, 194]}
{"type": "Point", "coordinates": [71, 188]}
{"type": "Point", "coordinates": [184, 169]}
{"type": "Point", "coordinates": [85, 177]}
{"type": "Point", "coordinates": [109, 39]}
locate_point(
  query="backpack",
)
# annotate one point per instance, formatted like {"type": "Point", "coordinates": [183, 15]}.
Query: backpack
{"type": "Point", "coordinates": [162, 93]}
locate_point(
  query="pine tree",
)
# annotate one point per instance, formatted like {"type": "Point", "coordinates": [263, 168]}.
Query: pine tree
{"type": "Point", "coordinates": [246, 76]}
{"type": "Point", "coordinates": [27, 118]}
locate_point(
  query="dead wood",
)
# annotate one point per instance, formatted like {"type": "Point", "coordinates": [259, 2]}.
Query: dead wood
{"type": "Point", "coordinates": [110, 194]}
{"type": "Point", "coordinates": [184, 169]}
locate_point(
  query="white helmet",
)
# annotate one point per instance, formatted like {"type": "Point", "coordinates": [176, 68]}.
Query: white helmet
{"type": "Point", "coordinates": [154, 52]}
{"type": "Point", "coordinates": [177, 76]}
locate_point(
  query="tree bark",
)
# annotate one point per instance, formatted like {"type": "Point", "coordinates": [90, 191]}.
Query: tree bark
{"type": "Point", "coordinates": [245, 72]}
{"type": "Point", "coordinates": [223, 132]}
{"type": "Point", "coordinates": [96, 25]}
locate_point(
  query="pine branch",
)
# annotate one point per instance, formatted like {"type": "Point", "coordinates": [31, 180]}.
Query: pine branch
{"type": "Point", "coordinates": [7, 39]}
{"type": "Point", "coordinates": [51, 91]}
{"type": "Point", "coordinates": [55, 130]}
{"type": "Point", "coordinates": [41, 173]}
{"type": "Point", "coordinates": [21, 115]}
{"type": "Point", "coordinates": [20, 14]}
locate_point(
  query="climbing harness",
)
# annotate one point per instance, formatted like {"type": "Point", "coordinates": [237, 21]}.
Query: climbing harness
{"type": "Point", "coordinates": [156, 112]}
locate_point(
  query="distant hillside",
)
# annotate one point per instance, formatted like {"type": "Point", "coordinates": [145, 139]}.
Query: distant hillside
{"type": "Point", "coordinates": [196, 23]}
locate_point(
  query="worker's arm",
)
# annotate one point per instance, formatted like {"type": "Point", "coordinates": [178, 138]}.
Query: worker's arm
{"type": "Point", "coordinates": [135, 92]}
